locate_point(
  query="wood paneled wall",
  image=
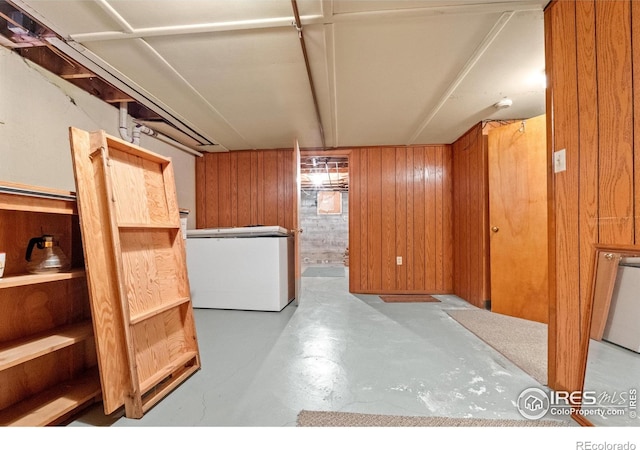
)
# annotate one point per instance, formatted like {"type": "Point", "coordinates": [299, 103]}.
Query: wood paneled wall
{"type": "Point", "coordinates": [471, 279]}
{"type": "Point", "coordinates": [245, 188]}
{"type": "Point", "coordinates": [593, 109]}
{"type": "Point", "coordinates": [401, 206]}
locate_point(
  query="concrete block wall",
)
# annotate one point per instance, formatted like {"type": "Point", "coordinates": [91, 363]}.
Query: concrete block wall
{"type": "Point", "coordinates": [326, 236]}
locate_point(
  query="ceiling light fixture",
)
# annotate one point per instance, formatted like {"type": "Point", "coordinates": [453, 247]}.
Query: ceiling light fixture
{"type": "Point", "coordinates": [504, 103]}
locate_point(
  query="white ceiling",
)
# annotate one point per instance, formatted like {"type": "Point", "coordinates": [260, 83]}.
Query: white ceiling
{"type": "Point", "coordinates": [385, 72]}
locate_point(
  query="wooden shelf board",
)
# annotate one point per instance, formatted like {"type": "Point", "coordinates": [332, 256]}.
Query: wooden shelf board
{"type": "Point", "coordinates": [176, 365]}
{"type": "Point", "coordinates": [21, 197]}
{"type": "Point", "coordinates": [38, 278]}
{"type": "Point", "coordinates": [123, 146]}
{"type": "Point", "coordinates": [141, 317]}
{"type": "Point", "coordinates": [48, 406]}
{"type": "Point", "coordinates": [41, 191]}
{"type": "Point", "coordinates": [149, 226]}
{"type": "Point", "coordinates": [23, 350]}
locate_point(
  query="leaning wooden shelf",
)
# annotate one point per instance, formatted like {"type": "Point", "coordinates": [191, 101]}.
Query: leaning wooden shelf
{"type": "Point", "coordinates": [136, 267]}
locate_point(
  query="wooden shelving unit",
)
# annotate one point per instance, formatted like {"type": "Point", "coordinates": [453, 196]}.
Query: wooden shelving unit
{"type": "Point", "coordinates": [48, 365]}
{"type": "Point", "coordinates": [136, 267]}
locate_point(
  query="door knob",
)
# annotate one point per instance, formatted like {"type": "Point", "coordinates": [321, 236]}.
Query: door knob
{"type": "Point", "coordinates": [495, 229]}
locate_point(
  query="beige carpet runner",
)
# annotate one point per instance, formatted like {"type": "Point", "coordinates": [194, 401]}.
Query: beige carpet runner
{"type": "Point", "coordinates": [523, 342]}
{"type": "Point", "coordinates": [344, 419]}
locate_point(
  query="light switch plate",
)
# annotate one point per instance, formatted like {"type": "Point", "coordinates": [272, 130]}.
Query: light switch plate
{"type": "Point", "coordinates": [399, 260]}
{"type": "Point", "coordinates": [560, 161]}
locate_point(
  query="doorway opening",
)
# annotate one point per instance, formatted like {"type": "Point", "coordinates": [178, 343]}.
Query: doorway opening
{"type": "Point", "coordinates": [324, 215]}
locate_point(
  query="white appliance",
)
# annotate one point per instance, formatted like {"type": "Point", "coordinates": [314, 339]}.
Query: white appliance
{"type": "Point", "coordinates": [245, 268]}
{"type": "Point", "coordinates": [624, 314]}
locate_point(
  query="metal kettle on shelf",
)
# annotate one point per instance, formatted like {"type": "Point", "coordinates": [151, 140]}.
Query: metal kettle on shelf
{"type": "Point", "coordinates": [50, 260]}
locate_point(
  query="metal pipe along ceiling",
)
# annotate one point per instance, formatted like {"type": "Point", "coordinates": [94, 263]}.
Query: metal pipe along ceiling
{"type": "Point", "coordinates": [298, 24]}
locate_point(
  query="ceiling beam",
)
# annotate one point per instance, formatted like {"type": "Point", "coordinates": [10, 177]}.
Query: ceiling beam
{"type": "Point", "coordinates": [327, 17]}
{"type": "Point", "coordinates": [214, 27]}
{"type": "Point", "coordinates": [298, 24]}
{"type": "Point", "coordinates": [453, 9]}
{"type": "Point", "coordinates": [471, 62]}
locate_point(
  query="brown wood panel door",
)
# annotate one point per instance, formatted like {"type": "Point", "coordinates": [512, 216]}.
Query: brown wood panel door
{"type": "Point", "coordinates": [296, 224]}
{"type": "Point", "coordinates": [518, 220]}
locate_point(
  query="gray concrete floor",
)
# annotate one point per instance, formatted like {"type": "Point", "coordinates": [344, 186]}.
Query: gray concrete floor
{"type": "Point", "coordinates": [335, 351]}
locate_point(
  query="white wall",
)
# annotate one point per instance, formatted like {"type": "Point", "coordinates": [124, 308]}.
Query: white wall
{"type": "Point", "coordinates": [36, 110]}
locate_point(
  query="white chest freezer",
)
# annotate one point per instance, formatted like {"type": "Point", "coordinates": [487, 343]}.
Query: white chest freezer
{"type": "Point", "coordinates": [245, 268]}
